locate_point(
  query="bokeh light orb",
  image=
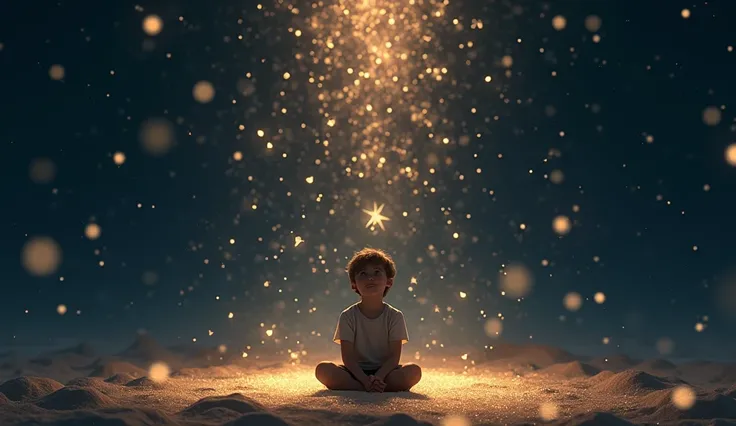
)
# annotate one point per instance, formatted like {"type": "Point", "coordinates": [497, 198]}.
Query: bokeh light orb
{"type": "Point", "coordinates": [159, 372]}
{"type": "Point", "coordinates": [516, 281]}
{"type": "Point", "coordinates": [41, 256]}
{"type": "Point", "coordinates": [683, 397]}
{"type": "Point", "coordinates": [152, 25]}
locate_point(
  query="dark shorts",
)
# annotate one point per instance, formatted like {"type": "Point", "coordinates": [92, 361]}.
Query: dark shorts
{"type": "Point", "coordinates": [367, 372]}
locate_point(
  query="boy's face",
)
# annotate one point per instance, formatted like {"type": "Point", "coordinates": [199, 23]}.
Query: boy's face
{"type": "Point", "coordinates": [371, 280]}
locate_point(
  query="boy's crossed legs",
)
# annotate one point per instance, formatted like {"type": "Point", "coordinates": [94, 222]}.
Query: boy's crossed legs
{"type": "Point", "coordinates": [336, 377]}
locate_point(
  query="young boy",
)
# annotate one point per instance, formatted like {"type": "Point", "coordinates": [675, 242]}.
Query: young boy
{"type": "Point", "coordinates": [370, 333]}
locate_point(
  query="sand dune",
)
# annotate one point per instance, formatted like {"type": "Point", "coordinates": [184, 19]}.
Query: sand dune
{"type": "Point", "coordinates": [571, 369]}
{"type": "Point", "coordinates": [203, 391]}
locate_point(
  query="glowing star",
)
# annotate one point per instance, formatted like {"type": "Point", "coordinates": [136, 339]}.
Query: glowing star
{"type": "Point", "coordinates": [376, 217]}
{"type": "Point", "coordinates": [298, 240]}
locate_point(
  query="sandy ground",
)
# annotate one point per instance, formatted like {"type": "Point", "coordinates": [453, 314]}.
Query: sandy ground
{"type": "Point", "coordinates": [515, 385]}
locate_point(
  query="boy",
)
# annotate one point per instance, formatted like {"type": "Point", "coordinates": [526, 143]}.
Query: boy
{"type": "Point", "coordinates": [370, 333]}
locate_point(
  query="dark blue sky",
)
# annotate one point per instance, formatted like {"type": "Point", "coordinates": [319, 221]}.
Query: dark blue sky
{"type": "Point", "coordinates": [652, 73]}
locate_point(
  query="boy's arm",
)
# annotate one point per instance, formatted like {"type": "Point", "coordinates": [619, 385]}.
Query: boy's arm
{"type": "Point", "coordinates": [347, 349]}
{"type": "Point", "coordinates": [393, 360]}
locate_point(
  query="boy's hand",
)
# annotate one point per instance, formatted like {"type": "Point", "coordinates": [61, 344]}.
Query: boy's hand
{"type": "Point", "coordinates": [377, 385]}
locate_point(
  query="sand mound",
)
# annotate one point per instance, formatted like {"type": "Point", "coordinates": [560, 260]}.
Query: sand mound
{"type": "Point", "coordinates": [73, 398]}
{"type": "Point", "coordinates": [571, 369]}
{"type": "Point", "coordinates": [656, 364]}
{"type": "Point", "coordinates": [707, 406]}
{"type": "Point", "coordinates": [146, 348]}
{"type": "Point", "coordinates": [727, 375]}
{"type": "Point", "coordinates": [142, 382]}
{"type": "Point", "coordinates": [236, 402]}
{"type": "Point", "coordinates": [400, 419]}
{"type": "Point", "coordinates": [258, 419]}
{"type": "Point", "coordinates": [631, 382]}
{"type": "Point", "coordinates": [730, 392]}
{"type": "Point", "coordinates": [595, 419]}
{"type": "Point", "coordinates": [29, 387]}
{"type": "Point", "coordinates": [540, 355]}
{"type": "Point", "coordinates": [110, 368]}
{"type": "Point", "coordinates": [120, 378]}
{"type": "Point", "coordinates": [109, 416]}
{"type": "Point", "coordinates": [603, 375]}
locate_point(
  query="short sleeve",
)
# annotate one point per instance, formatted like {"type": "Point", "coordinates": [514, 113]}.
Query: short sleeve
{"type": "Point", "coordinates": [345, 328]}
{"type": "Point", "coordinates": [397, 328]}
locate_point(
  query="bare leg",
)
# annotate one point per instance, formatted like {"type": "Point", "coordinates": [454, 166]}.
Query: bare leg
{"type": "Point", "coordinates": [335, 378]}
{"type": "Point", "coordinates": [403, 379]}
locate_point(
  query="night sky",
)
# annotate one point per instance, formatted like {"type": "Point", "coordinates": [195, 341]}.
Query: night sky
{"type": "Point", "coordinates": [226, 159]}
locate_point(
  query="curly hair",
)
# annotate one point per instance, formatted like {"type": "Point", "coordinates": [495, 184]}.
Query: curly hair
{"type": "Point", "coordinates": [368, 256]}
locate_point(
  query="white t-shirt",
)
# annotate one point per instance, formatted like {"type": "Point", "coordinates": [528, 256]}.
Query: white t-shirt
{"type": "Point", "coordinates": [370, 336]}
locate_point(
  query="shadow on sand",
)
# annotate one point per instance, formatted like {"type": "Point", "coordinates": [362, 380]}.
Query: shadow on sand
{"type": "Point", "coordinates": [362, 397]}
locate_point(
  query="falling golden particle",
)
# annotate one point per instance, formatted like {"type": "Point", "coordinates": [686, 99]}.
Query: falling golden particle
{"type": "Point", "coordinates": [61, 309]}
{"type": "Point", "coordinates": [599, 298]}
{"type": "Point", "coordinates": [237, 156]}
{"type": "Point", "coordinates": [41, 256]}
{"type": "Point", "coordinates": [287, 76]}
{"type": "Point", "coordinates": [119, 158]}
{"type": "Point", "coordinates": [152, 25]}
{"type": "Point", "coordinates": [463, 295]}
{"type": "Point", "coordinates": [516, 281]}
{"type": "Point", "coordinates": [203, 92]}
{"type": "Point", "coordinates": [731, 154]}
{"type": "Point", "coordinates": [695, 248]}
{"type": "Point", "coordinates": [706, 187]}
{"type": "Point", "coordinates": [93, 231]}
{"type": "Point", "coordinates": [572, 301]}
{"type": "Point", "coordinates": [545, 262]}
{"type": "Point", "coordinates": [665, 346]}
{"type": "Point", "coordinates": [561, 225]}
{"type": "Point", "coordinates": [685, 13]}
{"type": "Point", "coordinates": [455, 235]}
{"type": "Point", "coordinates": [232, 241]}
{"type": "Point", "coordinates": [210, 332]}
{"type": "Point", "coordinates": [269, 332]}
{"type": "Point", "coordinates": [260, 133]}
{"type": "Point", "coordinates": [222, 348]}
{"type": "Point", "coordinates": [488, 79]}
{"type": "Point", "coordinates": [548, 411]}
{"type": "Point", "coordinates": [576, 208]}
{"type": "Point", "coordinates": [559, 22]}
{"type": "Point", "coordinates": [297, 240]}
{"type": "Point", "coordinates": [42, 170]}
{"type": "Point", "coordinates": [507, 61]}
{"type": "Point", "coordinates": [156, 136]}
{"type": "Point", "coordinates": [56, 72]}
{"type": "Point", "coordinates": [593, 23]}
{"type": "Point", "coordinates": [556, 177]}
{"type": "Point", "coordinates": [712, 116]}
{"type": "Point", "coordinates": [245, 355]}
{"type": "Point", "coordinates": [310, 179]}
{"type": "Point", "coordinates": [699, 327]}
{"type": "Point", "coordinates": [606, 340]}
{"type": "Point", "coordinates": [596, 38]}
{"type": "Point", "coordinates": [493, 327]}
{"type": "Point", "coordinates": [683, 397]}
{"type": "Point", "coordinates": [596, 259]}
{"type": "Point", "coordinates": [230, 315]}
{"type": "Point", "coordinates": [159, 372]}
{"type": "Point", "coordinates": [455, 420]}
